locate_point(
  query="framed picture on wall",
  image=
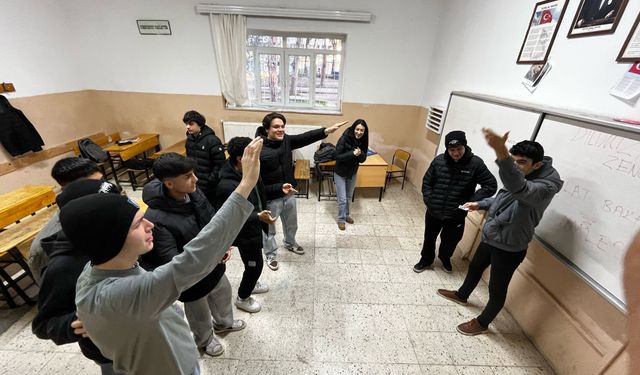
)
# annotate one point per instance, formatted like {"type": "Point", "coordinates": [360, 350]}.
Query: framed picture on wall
{"type": "Point", "coordinates": [542, 31]}
{"type": "Point", "coordinates": [630, 51]}
{"type": "Point", "coordinates": [595, 17]}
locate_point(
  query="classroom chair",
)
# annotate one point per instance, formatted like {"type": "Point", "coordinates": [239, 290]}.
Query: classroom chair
{"type": "Point", "coordinates": [398, 167]}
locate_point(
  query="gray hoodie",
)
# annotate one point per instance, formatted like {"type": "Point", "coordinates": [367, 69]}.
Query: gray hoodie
{"type": "Point", "coordinates": [517, 209]}
{"type": "Point", "coordinates": [130, 314]}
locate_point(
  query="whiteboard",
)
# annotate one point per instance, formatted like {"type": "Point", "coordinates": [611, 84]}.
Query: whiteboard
{"type": "Point", "coordinates": [471, 115]}
{"type": "Point", "coordinates": [248, 129]}
{"type": "Point", "coordinates": [592, 220]}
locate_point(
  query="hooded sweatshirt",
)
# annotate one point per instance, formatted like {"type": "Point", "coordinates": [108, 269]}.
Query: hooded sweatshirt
{"type": "Point", "coordinates": [517, 209]}
{"type": "Point", "coordinates": [130, 314]}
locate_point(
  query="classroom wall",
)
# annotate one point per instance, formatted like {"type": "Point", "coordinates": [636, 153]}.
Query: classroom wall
{"type": "Point", "coordinates": [132, 83]}
{"type": "Point", "coordinates": [478, 42]}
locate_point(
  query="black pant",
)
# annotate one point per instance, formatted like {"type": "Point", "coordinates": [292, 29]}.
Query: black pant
{"type": "Point", "coordinates": [252, 259]}
{"type": "Point", "coordinates": [452, 231]}
{"type": "Point", "coordinates": [503, 265]}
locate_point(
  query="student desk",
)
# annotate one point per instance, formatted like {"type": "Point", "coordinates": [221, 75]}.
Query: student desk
{"type": "Point", "coordinates": [371, 173]}
{"type": "Point", "coordinates": [142, 144]}
{"type": "Point", "coordinates": [21, 202]}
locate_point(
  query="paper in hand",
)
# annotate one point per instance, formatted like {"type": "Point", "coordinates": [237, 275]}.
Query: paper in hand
{"type": "Point", "coordinates": [463, 208]}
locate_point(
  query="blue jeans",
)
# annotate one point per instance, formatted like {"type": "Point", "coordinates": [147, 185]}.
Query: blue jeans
{"type": "Point", "coordinates": [344, 192]}
{"type": "Point", "coordinates": [285, 208]}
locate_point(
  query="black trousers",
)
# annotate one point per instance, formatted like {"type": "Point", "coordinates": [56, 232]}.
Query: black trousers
{"type": "Point", "coordinates": [503, 265]}
{"type": "Point", "coordinates": [252, 258]}
{"type": "Point", "coordinates": [450, 231]}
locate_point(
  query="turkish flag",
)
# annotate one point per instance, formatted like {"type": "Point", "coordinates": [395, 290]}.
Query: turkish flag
{"type": "Point", "coordinates": [546, 17]}
{"type": "Point", "coordinates": [635, 68]}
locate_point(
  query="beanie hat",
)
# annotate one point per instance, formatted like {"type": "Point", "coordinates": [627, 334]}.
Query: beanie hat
{"type": "Point", "coordinates": [80, 188]}
{"type": "Point", "coordinates": [98, 224]}
{"type": "Point", "coordinates": [455, 138]}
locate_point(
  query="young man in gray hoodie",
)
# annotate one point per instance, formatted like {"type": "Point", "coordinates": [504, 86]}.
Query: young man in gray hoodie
{"type": "Point", "coordinates": [530, 183]}
{"type": "Point", "coordinates": [127, 312]}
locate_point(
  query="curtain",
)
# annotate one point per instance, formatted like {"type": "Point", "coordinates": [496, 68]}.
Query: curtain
{"type": "Point", "coordinates": [229, 33]}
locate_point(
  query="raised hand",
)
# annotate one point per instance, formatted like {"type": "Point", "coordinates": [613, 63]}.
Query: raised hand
{"type": "Point", "coordinates": [497, 143]}
{"type": "Point", "coordinates": [250, 167]}
{"type": "Point", "coordinates": [334, 127]}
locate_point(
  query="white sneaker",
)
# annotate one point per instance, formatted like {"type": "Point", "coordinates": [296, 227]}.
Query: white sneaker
{"type": "Point", "coordinates": [249, 304]}
{"type": "Point", "coordinates": [214, 349]}
{"type": "Point", "coordinates": [260, 288]}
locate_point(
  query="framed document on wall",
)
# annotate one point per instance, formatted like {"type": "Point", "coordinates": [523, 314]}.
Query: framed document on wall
{"type": "Point", "coordinates": [630, 51]}
{"type": "Point", "coordinates": [596, 17]}
{"type": "Point", "coordinates": [542, 31]}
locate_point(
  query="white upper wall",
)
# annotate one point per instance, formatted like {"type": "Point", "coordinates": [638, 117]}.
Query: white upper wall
{"type": "Point", "coordinates": [479, 42]}
{"type": "Point", "coordinates": [39, 47]}
{"type": "Point", "coordinates": [91, 44]}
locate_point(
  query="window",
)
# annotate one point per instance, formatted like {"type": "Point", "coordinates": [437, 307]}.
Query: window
{"type": "Point", "coordinates": [295, 71]}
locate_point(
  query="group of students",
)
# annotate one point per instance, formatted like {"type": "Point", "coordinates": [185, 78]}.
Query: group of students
{"type": "Point", "coordinates": [110, 274]}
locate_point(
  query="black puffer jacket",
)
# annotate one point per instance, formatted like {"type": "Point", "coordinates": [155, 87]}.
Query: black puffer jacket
{"type": "Point", "coordinates": [175, 224]}
{"type": "Point", "coordinates": [448, 184]}
{"type": "Point", "coordinates": [57, 297]}
{"type": "Point", "coordinates": [346, 162]}
{"type": "Point", "coordinates": [208, 152]}
{"type": "Point", "coordinates": [250, 235]}
{"type": "Point", "coordinates": [276, 161]}
{"type": "Point", "coordinates": [17, 133]}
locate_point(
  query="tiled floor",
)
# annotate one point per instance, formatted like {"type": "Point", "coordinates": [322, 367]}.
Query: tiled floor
{"type": "Point", "coordinates": [350, 305]}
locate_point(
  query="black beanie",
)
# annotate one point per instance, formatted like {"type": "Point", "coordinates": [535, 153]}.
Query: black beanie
{"type": "Point", "coordinates": [455, 138]}
{"type": "Point", "coordinates": [80, 188]}
{"type": "Point", "coordinates": [98, 224]}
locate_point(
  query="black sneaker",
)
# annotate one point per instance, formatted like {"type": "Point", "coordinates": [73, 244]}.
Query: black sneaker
{"type": "Point", "coordinates": [421, 266]}
{"type": "Point", "coordinates": [446, 265]}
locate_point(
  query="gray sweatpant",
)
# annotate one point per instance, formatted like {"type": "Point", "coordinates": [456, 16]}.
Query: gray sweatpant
{"type": "Point", "coordinates": [214, 308]}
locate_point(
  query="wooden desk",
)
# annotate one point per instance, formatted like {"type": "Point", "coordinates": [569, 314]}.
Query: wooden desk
{"type": "Point", "coordinates": [144, 142]}
{"type": "Point", "coordinates": [371, 173]}
{"type": "Point", "coordinates": [23, 202]}
{"type": "Point", "coordinates": [178, 148]}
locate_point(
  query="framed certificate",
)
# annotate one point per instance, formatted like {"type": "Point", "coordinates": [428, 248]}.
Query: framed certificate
{"type": "Point", "coordinates": [542, 31]}
{"type": "Point", "coordinates": [630, 51]}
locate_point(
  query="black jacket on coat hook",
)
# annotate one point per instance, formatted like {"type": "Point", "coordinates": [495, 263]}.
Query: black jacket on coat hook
{"type": "Point", "coordinates": [17, 133]}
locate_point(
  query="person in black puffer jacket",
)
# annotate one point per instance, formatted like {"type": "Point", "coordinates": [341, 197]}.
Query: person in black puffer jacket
{"type": "Point", "coordinates": [351, 150]}
{"type": "Point", "coordinates": [249, 240]}
{"type": "Point", "coordinates": [449, 182]}
{"type": "Point", "coordinates": [276, 171]}
{"type": "Point", "coordinates": [179, 210]}
{"type": "Point", "coordinates": [207, 150]}
{"type": "Point", "coordinates": [57, 297]}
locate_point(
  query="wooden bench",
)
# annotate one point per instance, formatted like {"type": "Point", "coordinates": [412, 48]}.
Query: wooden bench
{"type": "Point", "coordinates": [302, 174]}
{"type": "Point", "coordinates": [178, 148]}
{"type": "Point", "coordinates": [10, 254]}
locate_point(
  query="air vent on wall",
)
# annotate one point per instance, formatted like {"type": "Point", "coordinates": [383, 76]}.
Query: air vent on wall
{"type": "Point", "coordinates": [435, 117]}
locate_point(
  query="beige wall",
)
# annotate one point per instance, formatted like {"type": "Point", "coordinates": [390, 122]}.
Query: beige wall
{"type": "Point", "coordinates": [66, 116]}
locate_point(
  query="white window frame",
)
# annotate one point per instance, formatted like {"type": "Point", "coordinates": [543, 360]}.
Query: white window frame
{"type": "Point", "coordinates": [284, 53]}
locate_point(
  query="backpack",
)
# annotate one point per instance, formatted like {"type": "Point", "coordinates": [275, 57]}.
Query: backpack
{"type": "Point", "coordinates": [90, 150]}
{"type": "Point", "coordinates": [326, 152]}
